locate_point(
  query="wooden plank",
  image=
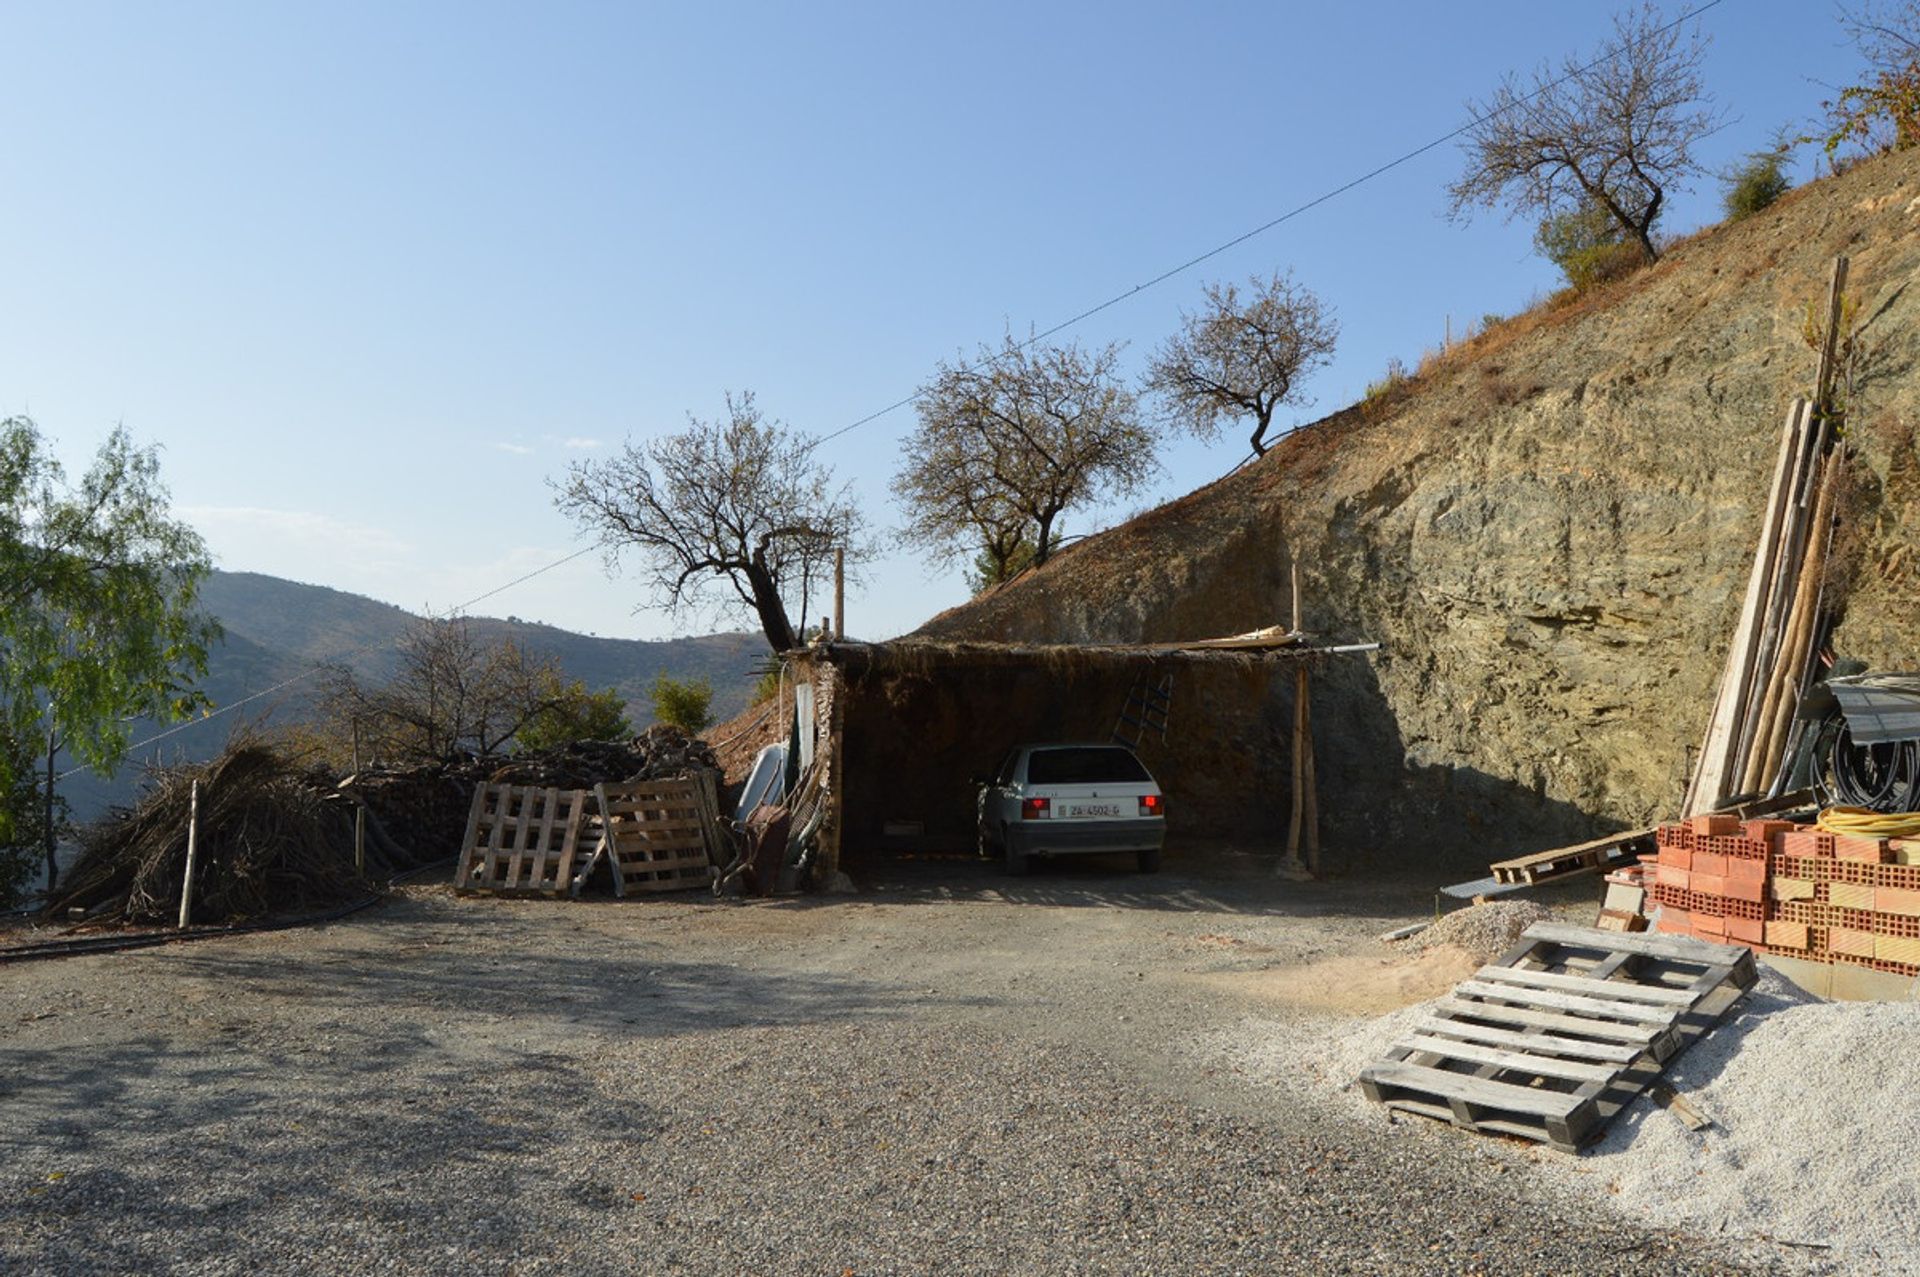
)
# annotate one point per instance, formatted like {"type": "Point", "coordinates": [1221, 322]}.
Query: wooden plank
{"type": "Point", "coordinates": [1643, 944]}
{"type": "Point", "coordinates": [1660, 995]}
{"type": "Point", "coordinates": [570, 836]}
{"type": "Point", "coordinates": [1508, 1060]}
{"type": "Point", "coordinates": [1537, 1101]}
{"type": "Point", "coordinates": [1723, 725]}
{"type": "Point", "coordinates": [503, 802]}
{"type": "Point", "coordinates": [1604, 1007]}
{"type": "Point", "coordinates": [524, 825]}
{"type": "Point", "coordinates": [464, 877]}
{"type": "Point", "coordinates": [1612, 1052]}
{"type": "Point", "coordinates": [1532, 1017]}
{"type": "Point", "coordinates": [543, 838]}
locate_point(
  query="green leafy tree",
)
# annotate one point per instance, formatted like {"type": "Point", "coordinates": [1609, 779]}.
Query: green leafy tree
{"type": "Point", "coordinates": [683, 703]}
{"type": "Point", "coordinates": [1882, 112]}
{"type": "Point", "coordinates": [98, 617]}
{"type": "Point", "coordinates": [572, 713]}
{"type": "Point", "coordinates": [1757, 183]}
{"type": "Point", "coordinates": [1588, 246]}
{"type": "Point", "coordinates": [998, 564]}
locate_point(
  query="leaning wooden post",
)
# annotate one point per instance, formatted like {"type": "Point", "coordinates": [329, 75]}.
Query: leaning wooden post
{"type": "Point", "coordinates": [840, 593]}
{"type": "Point", "coordinates": [360, 840]}
{"type": "Point", "coordinates": [1305, 814]}
{"type": "Point", "coordinates": [193, 854]}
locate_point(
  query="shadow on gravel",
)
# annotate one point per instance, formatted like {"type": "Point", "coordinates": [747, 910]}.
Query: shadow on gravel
{"type": "Point", "coordinates": [146, 1154]}
{"type": "Point", "coordinates": [1096, 883]}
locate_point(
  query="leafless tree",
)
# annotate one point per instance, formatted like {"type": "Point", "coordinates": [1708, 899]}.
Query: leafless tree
{"type": "Point", "coordinates": [738, 504]}
{"type": "Point", "coordinates": [451, 694]}
{"type": "Point", "coordinates": [1243, 357]}
{"type": "Point", "coordinates": [1617, 130]}
{"type": "Point", "coordinates": [1010, 442]}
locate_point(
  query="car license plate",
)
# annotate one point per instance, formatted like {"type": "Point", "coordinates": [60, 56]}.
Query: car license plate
{"type": "Point", "coordinates": [1091, 811]}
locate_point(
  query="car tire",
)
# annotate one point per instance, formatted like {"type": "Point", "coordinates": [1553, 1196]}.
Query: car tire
{"type": "Point", "coordinates": [1149, 860]}
{"type": "Point", "coordinates": [1018, 862]}
{"type": "Point", "coordinates": [987, 850]}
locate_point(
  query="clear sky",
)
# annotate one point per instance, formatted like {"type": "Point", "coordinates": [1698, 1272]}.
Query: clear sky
{"type": "Point", "coordinates": [373, 274]}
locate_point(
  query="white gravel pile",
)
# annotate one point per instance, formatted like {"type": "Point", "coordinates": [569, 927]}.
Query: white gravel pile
{"type": "Point", "coordinates": [1815, 1109]}
{"type": "Point", "coordinates": [1486, 931]}
{"type": "Point", "coordinates": [1816, 1116]}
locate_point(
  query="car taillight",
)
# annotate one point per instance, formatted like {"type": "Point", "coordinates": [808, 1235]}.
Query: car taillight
{"type": "Point", "coordinates": [1035, 808]}
{"type": "Point", "coordinates": [1152, 805]}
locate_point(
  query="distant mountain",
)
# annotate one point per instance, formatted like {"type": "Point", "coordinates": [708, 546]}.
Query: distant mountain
{"type": "Point", "coordinates": [277, 630]}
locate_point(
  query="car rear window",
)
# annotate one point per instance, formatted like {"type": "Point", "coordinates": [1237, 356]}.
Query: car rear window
{"type": "Point", "coordinates": [1092, 765]}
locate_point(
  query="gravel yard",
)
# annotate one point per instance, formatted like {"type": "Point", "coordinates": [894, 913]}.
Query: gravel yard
{"type": "Point", "coordinates": [954, 1073]}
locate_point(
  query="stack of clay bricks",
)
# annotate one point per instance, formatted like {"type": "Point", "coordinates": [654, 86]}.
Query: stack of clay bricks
{"type": "Point", "coordinates": [1794, 890]}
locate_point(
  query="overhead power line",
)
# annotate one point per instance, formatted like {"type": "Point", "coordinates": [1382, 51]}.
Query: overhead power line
{"type": "Point", "coordinates": [1266, 226]}
{"type": "Point", "coordinates": [907, 400]}
{"type": "Point", "coordinates": [322, 665]}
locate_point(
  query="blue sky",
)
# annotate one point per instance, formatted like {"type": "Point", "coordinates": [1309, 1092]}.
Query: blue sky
{"type": "Point", "coordinates": [372, 274]}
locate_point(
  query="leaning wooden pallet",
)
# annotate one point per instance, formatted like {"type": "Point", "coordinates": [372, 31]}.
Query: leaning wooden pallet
{"type": "Point", "coordinates": [1565, 862]}
{"type": "Point", "coordinates": [520, 840]}
{"type": "Point", "coordinates": [1561, 1033]}
{"type": "Point", "coordinates": [655, 835]}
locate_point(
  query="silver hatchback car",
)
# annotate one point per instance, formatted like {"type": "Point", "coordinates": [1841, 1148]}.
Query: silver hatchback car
{"type": "Point", "coordinates": [1062, 800]}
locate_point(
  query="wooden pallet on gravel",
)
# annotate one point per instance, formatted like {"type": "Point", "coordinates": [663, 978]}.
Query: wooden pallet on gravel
{"type": "Point", "coordinates": [1566, 862]}
{"type": "Point", "coordinates": [521, 840]}
{"type": "Point", "coordinates": [655, 835]}
{"type": "Point", "coordinates": [1560, 1034]}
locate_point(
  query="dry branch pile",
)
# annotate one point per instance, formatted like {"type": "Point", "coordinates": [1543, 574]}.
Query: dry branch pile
{"type": "Point", "coordinates": [278, 837]}
{"type": "Point", "coordinates": [272, 839]}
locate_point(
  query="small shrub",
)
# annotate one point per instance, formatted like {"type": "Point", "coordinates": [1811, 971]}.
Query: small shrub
{"type": "Point", "coordinates": [1588, 247]}
{"type": "Point", "coordinates": [765, 688]}
{"type": "Point", "coordinates": [1396, 377]}
{"type": "Point", "coordinates": [1756, 184]}
{"type": "Point", "coordinates": [684, 703]}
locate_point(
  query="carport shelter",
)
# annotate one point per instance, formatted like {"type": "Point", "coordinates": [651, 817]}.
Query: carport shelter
{"type": "Point", "coordinates": [901, 730]}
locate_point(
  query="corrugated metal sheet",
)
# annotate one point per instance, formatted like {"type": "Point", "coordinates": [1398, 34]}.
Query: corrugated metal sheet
{"type": "Point", "coordinates": [1880, 707]}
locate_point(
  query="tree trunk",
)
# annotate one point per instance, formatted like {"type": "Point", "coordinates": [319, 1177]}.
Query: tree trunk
{"type": "Point", "coordinates": [1260, 433]}
{"type": "Point", "coordinates": [768, 607]}
{"type": "Point", "coordinates": [53, 868]}
{"type": "Point", "coordinates": [1045, 546]}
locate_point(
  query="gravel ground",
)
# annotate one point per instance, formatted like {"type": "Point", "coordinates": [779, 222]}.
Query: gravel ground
{"type": "Point", "coordinates": [955, 1073]}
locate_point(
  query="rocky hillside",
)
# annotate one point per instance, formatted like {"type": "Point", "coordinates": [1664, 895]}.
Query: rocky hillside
{"type": "Point", "coordinates": [1550, 532]}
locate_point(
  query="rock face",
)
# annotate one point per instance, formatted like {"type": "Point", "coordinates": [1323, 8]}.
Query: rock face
{"type": "Point", "coordinates": [1550, 531]}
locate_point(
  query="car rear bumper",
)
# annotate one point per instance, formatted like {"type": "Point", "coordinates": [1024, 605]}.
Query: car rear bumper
{"type": "Point", "coordinates": [1073, 837]}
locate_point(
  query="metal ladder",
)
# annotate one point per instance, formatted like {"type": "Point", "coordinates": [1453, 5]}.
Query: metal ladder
{"type": "Point", "coordinates": [1146, 712]}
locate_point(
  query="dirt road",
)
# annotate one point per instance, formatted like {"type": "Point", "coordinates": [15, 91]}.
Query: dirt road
{"type": "Point", "coordinates": [954, 1073]}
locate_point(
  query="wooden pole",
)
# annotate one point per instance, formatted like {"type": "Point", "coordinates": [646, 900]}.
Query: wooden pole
{"type": "Point", "coordinates": [356, 746]}
{"type": "Point", "coordinates": [360, 841]}
{"type": "Point", "coordinates": [1836, 291]}
{"type": "Point", "coordinates": [1305, 817]}
{"type": "Point", "coordinates": [193, 854]}
{"type": "Point", "coordinates": [840, 593]}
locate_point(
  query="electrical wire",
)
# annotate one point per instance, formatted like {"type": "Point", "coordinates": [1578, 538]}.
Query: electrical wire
{"type": "Point", "coordinates": [322, 665]}
{"type": "Point", "coordinates": [1266, 226]}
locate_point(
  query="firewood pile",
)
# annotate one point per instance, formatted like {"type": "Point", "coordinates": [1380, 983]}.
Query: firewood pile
{"type": "Point", "coordinates": [276, 836]}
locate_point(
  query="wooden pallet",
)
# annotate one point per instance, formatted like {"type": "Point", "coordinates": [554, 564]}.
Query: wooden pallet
{"type": "Point", "coordinates": [1566, 862]}
{"type": "Point", "coordinates": [654, 835]}
{"type": "Point", "coordinates": [521, 840]}
{"type": "Point", "coordinates": [1561, 1033]}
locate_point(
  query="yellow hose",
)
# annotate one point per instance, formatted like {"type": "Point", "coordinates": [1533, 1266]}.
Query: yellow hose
{"type": "Point", "coordinates": [1860, 822]}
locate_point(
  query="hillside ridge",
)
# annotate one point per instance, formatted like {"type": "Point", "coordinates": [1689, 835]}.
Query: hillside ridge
{"type": "Point", "coordinates": [1549, 531]}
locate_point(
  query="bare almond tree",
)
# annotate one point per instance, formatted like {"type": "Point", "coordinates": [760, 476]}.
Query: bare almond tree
{"type": "Point", "coordinates": [738, 506]}
{"type": "Point", "coordinates": [1010, 442]}
{"type": "Point", "coordinates": [1242, 357]}
{"type": "Point", "coordinates": [1617, 130]}
{"type": "Point", "coordinates": [451, 693]}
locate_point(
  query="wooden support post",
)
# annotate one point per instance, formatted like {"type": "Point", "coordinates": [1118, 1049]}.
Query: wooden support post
{"type": "Point", "coordinates": [1836, 292]}
{"type": "Point", "coordinates": [193, 854]}
{"type": "Point", "coordinates": [356, 746]}
{"type": "Point", "coordinates": [360, 841]}
{"type": "Point", "coordinates": [1305, 818]}
{"type": "Point", "coordinates": [840, 593]}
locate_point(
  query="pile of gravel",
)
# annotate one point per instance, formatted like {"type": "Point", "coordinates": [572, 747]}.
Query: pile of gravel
{"type": "Point", "coordinates": [1815, 1109]}
{"type": "Point", "coordinates": [1485, 931]}
{"type": "Point", "coordinates": [1816, 1113]}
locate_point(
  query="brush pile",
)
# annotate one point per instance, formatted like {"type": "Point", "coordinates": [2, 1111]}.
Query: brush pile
{"type": "Point", "coordinates": [273, 839]}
